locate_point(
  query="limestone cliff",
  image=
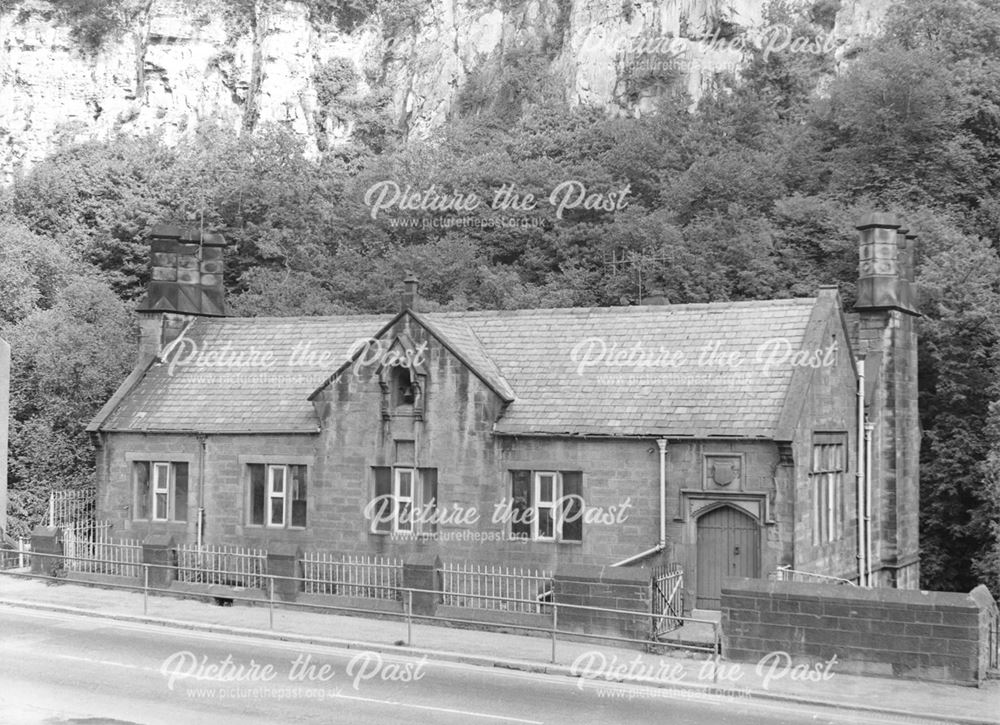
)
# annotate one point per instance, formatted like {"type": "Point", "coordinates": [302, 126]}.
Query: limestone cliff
{"type": "Point", "coordinates": [169, 65]}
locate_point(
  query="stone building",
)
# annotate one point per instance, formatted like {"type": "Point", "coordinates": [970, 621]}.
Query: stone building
{"type": "Point", "coordinates": [726, 437]}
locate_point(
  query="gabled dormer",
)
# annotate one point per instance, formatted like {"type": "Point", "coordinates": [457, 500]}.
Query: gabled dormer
{"type": "Point", "coordinates": [403, 377]}
{"type": "Point", "coordinates": [404, 360]}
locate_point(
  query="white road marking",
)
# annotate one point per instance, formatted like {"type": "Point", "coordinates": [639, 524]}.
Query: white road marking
{"type": "Point", "coordinates": [448, 710]}
{"type": "Point", "coordinates": [92, 661]}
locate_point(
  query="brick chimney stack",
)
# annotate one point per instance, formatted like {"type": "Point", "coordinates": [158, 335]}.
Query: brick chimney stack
{"type": "Point", "coordinates": [185, 282]}
{"type": "Point", "coordinates": [886, 309]}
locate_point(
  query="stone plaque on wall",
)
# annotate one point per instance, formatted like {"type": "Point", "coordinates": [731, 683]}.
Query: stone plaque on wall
{"type": "Point", "coordinates": [723, 473]}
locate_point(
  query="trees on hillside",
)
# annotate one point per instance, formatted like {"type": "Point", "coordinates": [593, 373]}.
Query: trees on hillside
{"type": "Point", "coordinates": [67, 360]}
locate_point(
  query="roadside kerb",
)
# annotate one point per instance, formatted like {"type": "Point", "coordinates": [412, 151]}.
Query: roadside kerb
{"type": "Point", "coordinates": [460, 658]}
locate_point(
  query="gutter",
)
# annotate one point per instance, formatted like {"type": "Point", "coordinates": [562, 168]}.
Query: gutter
{"type": "Point", "coordinates": [220, 431]}
{"type": "Point", "coordinates": [662, 544]}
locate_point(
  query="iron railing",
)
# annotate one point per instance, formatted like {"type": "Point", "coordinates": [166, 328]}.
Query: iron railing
{"type": "Point", "coordinates": [96, 550]}
{"type": "Point", "coordinates": [408, 615]}
{"type": "Point", "coordinates": [371, 577]}
{"type": "Point", "coordinates": [72, 506]}
{"type": "Point", "coordinates": [495, 586]}
{"type": "Point", "coordinates": [16, 557]}
{"type": "Point", "coordinates": [240, 567]}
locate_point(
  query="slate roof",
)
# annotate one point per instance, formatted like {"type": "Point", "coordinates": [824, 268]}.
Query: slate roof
{"type": "Point", "coordinates": [255, 398]}
{"type": "Point", "coordinates": [531, 357]}
{"type": "Point", "coordinates": [534, 349]}
{"type": "Point", "coordinates": [459, 336]}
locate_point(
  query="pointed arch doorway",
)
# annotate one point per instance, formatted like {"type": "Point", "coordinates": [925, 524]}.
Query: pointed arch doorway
{"type": "Point", "coordinates": [728, 545]}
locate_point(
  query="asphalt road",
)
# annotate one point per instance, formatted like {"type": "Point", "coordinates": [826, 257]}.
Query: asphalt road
{"type": "Point", "coordinates": [57, 668]}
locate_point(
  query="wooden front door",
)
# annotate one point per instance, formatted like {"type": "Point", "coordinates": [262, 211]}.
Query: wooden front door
{"type": "Point", "coordinates": [728, 545]}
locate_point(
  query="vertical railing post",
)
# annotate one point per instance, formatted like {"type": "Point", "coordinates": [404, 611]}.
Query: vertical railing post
{"type": "Point", "coordinates": [270, 597]}
{"type": "Point", "coordinates": [145, 589]}
{"type": "Point", "coordinates": [52, 508]}
{"type": "Point", "coordinates": [555, 627]}
{"type": "Point", "coordinates": [409, 617]}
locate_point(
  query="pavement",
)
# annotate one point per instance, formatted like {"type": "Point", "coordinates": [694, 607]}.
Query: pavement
{"type": "Point", "coordinates": [775, 681]}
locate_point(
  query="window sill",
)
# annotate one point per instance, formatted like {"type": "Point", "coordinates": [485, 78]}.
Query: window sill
{"type": "Point", "coordinates": [406, 534]}
{"type": "Point", "coordinates": [178, 522]}
{"type": "Point", "coordinates": [529, 540]}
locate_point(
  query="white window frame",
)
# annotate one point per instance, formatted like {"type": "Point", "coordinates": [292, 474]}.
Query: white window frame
{"type": "Point", "coordinates": [273, 495]}
{"type": "Point", "coordinates": [548, 505]}
{"type": "Point", "coordinates": [399, 500]}
{"type": "Point", "coordinates": [160, 486]}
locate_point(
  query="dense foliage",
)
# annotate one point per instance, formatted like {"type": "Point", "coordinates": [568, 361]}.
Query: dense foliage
{"type": "Point", "coordinates": [753, 195]}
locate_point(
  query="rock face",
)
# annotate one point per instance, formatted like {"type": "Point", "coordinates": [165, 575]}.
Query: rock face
{"type": "Point", "coordinates": [173, 64]}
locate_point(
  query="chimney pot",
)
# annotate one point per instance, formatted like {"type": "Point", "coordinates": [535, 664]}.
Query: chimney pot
{"type": "Point", "coordinates": [878, 219]}
{"type": "Point", "coordinates": [185, 280]}
{"type": "Point", "coordinates": [185, 272]}
{"type": "Point", "coordinates": [884, 260]}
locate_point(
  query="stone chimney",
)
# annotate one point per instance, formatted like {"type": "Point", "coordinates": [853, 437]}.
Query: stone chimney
{"type": "Point", "coordinates": [885, 264]}
{"type": "Point", "coordinates": [185, 281]}
{"type": "Point", "coordinates": [906, 244]}
{"type": "Point", "coordinates": [410, 299]}
{"type": "Point", "coordinates": [887, 342]}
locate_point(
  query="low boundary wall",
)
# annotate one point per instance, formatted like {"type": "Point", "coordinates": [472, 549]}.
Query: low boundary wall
{"type": "Point", "coordinates": [935, 636]}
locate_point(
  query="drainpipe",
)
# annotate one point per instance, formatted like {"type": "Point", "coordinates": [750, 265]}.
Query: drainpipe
{"type": "Point", "coordinates": [662, 443]}
{"type": "Point", "coordinates": [869, 427]}
{"type": "Point", "coordinates": [662, 544]}
{"type": "Point", "coordinates": [860, 475]}
{"type": "Point", "coordinates": [201, 490]}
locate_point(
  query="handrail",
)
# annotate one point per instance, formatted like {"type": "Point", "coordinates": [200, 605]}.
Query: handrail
{"type": "Point", "coordinates": [781, 570]}
{"type": "Point", "coordinates": [267, 597]}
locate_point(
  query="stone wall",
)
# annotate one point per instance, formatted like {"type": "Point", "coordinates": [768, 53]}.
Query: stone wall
{"type": "Point", "coordinates": [222, 466]}
{"type": "Point", "coordinates": [828, 406]}
{"type": "Point", "coordinates": [937, 636]}
{"type": "Point", "coordinates": [473, 473]}
{"type": "Point", "coordinates": [608, 588]}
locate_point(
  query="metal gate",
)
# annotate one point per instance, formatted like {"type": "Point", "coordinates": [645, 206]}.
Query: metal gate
{"type": "Point", "coordinates": [667, 585]}
{"type": "Point", "coordinates": [728, 545]}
